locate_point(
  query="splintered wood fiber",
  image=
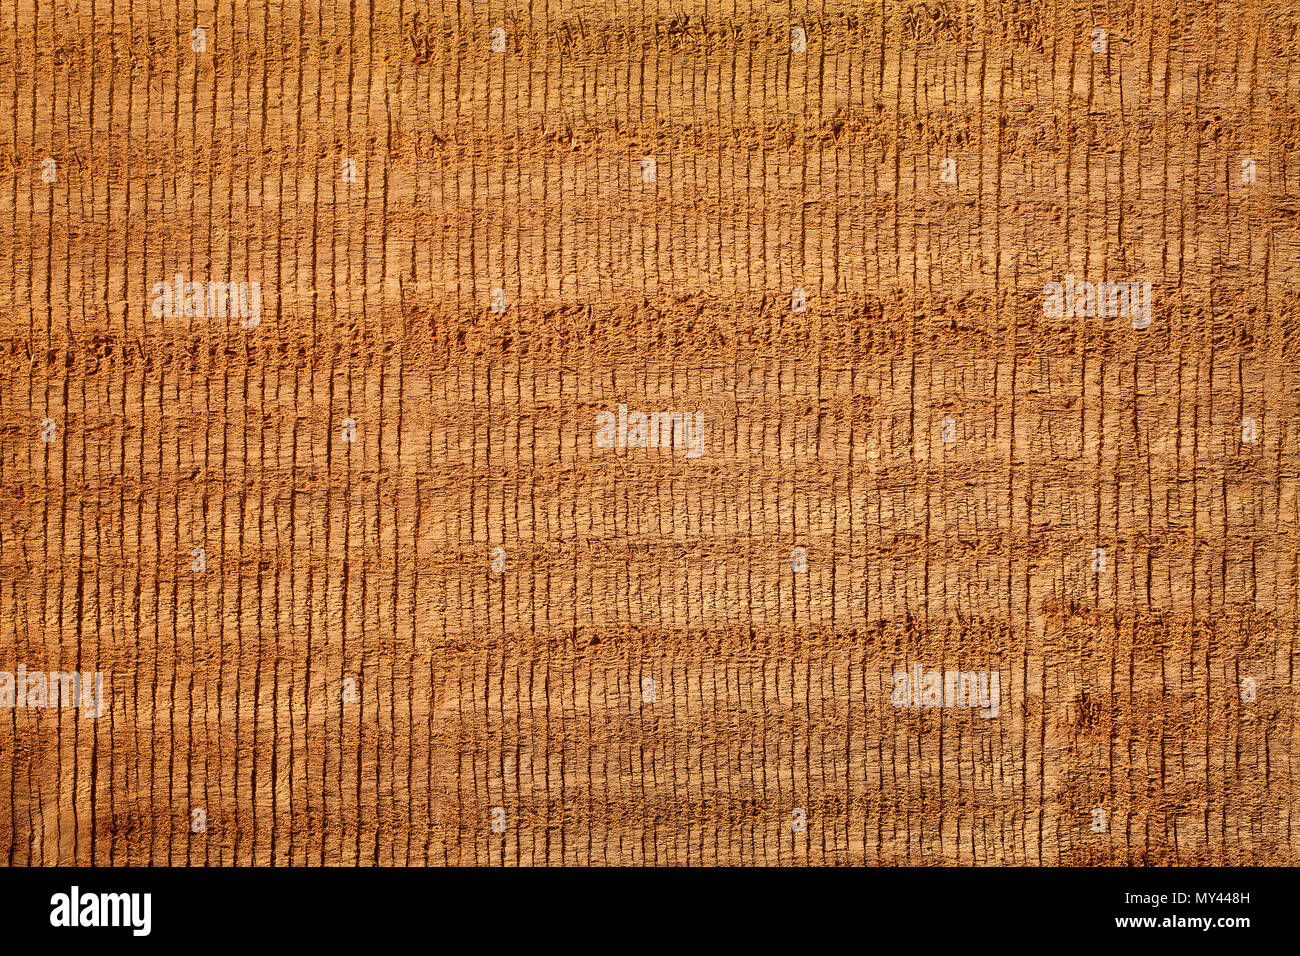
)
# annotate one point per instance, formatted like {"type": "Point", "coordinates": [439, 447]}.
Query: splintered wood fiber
{"type": "Point", "coordinates": [649, 433]}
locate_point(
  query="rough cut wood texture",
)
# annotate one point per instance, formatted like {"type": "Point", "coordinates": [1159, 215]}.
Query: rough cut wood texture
{"type": "Point", "coordinates": [1159, 689]}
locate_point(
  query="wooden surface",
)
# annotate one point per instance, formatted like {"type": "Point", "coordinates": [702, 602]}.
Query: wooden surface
{"type": "Point", "coordinates": [524, 689]}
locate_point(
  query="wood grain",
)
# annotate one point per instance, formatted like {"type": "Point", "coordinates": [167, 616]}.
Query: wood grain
{"type": "Point", "coordinates": [329, 561]}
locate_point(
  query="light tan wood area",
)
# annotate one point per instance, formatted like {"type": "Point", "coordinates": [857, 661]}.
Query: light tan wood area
{"type": "Point", "coordinates": [831, 531]}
